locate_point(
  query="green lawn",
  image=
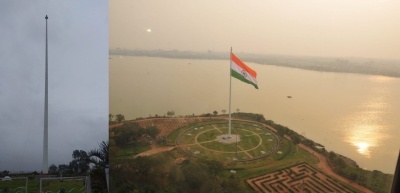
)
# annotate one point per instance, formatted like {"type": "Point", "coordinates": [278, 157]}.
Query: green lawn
{"type": "Point", "coordinates": [174, 135]}
{"type": "Point", "coordinates": [206, 124]}
{"type": "Point", "coordinates": [73, 186]}
{"type": "Point", "coordinates": [131, 150]}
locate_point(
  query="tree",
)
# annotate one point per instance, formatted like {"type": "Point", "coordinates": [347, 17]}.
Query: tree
{"type": "Point", "coordinates": [53, 169]}
{"type": "Point", "coordinates": [332, 155]}
{"type": "Point", "coordinates": [62, 168]}
{"type": "Point", "coordinates": [281, 131]}
{"type": "Point", "coordinates": [194, 175]}
{"type": "Point", "coordinates": [339, 162]}
{"type": "Point", "coordinates": [143, 166]}
{"type": "Point", "coordinates": [170, 113]}
{"type": "Point", "coordinates": [5, 173]}
{"type": "Point", "coordinates": [295, 139]}
{"type": "Point", "coordinates": [232, 184]}
{"type": "Point", "coordinates": [119, 118]}
{"type": "Point", "coordinates": [73, 167]}
{"type": "Point", "coordinates": [152, 131]}
{"type": "Point", "coordinates": [214, 167]}
{"type": "Point", "coordinates": [99, 157]}
{"type": "Point", "coordinates": [176, 176]}
{"type": "Point", "coordinates": [353, 176]}
{"type": "Point", "coordinates": [110, 118]}
{"type": "Point", "coordinates": [80, 162]}
{"type": "Point", "coordinates": [215, 113]}
{"type": "Point", "coordinates": [100, 154]}
{"type": "Point", "coordinates": [211, 186]}
{"type": "Point", "coordinates": [237, 110]}
{"type": "Point", "coordinates": [223, 111]}
{"type": "Point", "coordinates": [122, 139]}
{"type": "Point", "coordinates": [130, 132]}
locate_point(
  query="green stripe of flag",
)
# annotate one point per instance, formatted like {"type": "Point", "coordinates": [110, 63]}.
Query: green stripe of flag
{"type": "Point", "coordinates": [240, 77]}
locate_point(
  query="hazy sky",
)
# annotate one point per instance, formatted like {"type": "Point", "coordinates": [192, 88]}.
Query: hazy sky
{"type": "Point", "coordinates": [78, 80]}
{"type": "Point", "coordinates": [361, 28]}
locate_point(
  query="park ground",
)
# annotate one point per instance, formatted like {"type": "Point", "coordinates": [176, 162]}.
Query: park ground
{"type": "Point", "coordinates": [172, 127]}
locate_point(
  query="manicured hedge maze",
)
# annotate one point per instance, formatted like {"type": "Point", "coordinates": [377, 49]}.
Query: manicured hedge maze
{"type": "Point", "coordinates": [298, 178]}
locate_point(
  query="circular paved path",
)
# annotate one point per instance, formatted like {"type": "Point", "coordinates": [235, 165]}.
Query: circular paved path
{"type": "Point", "coordinates": [199, 144]}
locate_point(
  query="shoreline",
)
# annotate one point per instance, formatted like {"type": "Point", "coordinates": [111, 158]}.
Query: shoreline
{"type": "Point", "coordinates": [328, 64]}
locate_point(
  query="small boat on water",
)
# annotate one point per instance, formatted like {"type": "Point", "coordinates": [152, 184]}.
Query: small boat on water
{"type": "Point", "coordinates": [289, 97]}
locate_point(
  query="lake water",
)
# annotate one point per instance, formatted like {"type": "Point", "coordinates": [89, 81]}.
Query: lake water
{"type": "Point", "coordinates": [355, 115]}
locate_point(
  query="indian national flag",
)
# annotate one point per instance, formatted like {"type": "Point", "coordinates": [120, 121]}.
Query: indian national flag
{"type": "Point", "coordinates": [242, 72]}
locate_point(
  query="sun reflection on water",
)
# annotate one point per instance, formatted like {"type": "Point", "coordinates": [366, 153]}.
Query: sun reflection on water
{"type": "Point", "coordinates": [366, 128]}
{"type": "Point", "coordinates": [364, 136]}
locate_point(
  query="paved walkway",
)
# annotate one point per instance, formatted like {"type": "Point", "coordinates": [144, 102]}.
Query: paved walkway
{"type": "Point", "coordinates": [184, 145]}
{"type": "Point", "coordinates": [245, 151]}
{"type": "Point", "coordinates": [154, 150]}
{"type": "Point", "coordinates": [217, 128]}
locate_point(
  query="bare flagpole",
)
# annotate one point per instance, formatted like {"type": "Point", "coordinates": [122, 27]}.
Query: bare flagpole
{"type": "Point", "coordinates": [230, 90]}
{"type": "Point", "coordinates": [45, 135]}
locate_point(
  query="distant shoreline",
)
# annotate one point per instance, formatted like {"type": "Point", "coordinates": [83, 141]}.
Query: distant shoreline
{"type": "Point", "coordinates": [382, 67]}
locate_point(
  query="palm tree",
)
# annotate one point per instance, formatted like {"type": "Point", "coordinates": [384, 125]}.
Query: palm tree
{"type": "Point", "coordinates": [99, 157]}
{"type": "Point", "coordinates": [101, 154]}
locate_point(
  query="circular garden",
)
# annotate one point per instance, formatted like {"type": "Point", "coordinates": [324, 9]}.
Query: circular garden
{"type": "Point", "coordinates": [212, 141]}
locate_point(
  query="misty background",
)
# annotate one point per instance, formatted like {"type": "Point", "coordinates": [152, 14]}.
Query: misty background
{"type": "Point", "coordinates": [312, 28]}
{"type": "Point", "coordinates": [78, 80]}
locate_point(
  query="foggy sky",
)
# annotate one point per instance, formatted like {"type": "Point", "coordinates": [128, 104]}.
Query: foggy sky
{"type": "Point", "coordinates": [340, 28]}
{"type": "Point", "coordinates": [78, 80]}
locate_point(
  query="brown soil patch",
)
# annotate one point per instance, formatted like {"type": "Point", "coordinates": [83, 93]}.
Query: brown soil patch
{"type": "Point", "coordinates": [179, 160]}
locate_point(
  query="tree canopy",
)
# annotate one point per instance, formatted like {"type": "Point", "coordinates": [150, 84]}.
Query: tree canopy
{"type": "Point", "coordinates": [119, 118]}
{"type": "Point", "coordinates": [170, 113]}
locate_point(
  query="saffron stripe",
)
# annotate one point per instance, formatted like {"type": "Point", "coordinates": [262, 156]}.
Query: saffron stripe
{"type": "Point", "coordinates": [242, 72]}
{"type": "Point", "coordinates": [243, 66]}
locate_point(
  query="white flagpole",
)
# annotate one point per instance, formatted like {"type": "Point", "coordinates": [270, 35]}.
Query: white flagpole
{"type": "Point", "coordinates": [230, 89]}
{"type": "Point", "coordinates": [45, 137]}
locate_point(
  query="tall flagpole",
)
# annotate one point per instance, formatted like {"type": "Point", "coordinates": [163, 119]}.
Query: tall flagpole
{"type": "Point", "coordinates": [230, 90]}
{"type": "Point", "coordinates": [45, 140]}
